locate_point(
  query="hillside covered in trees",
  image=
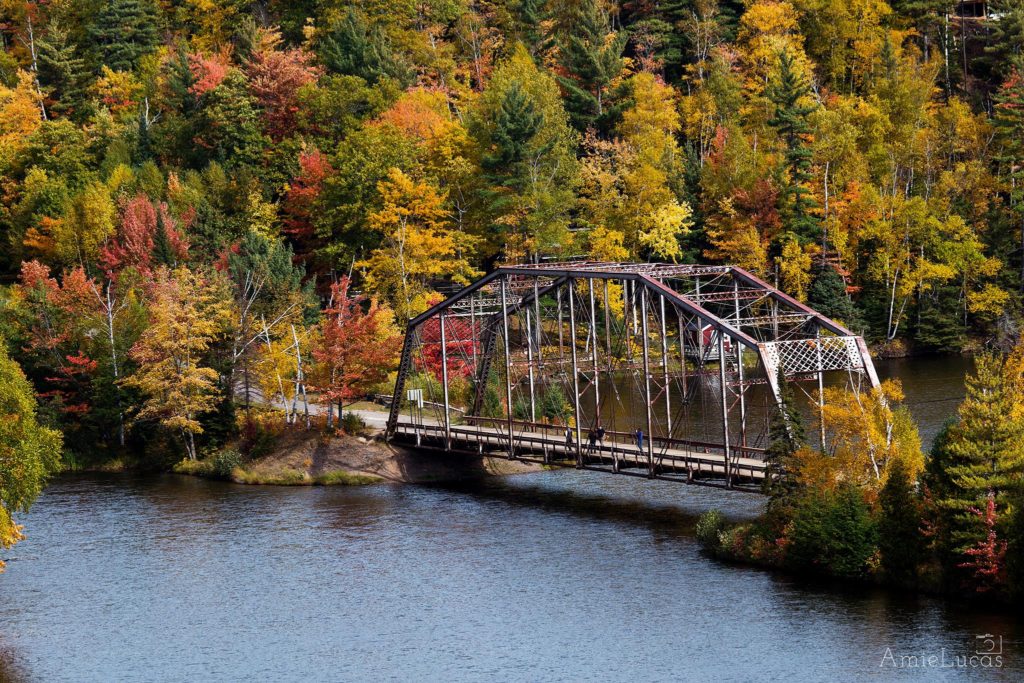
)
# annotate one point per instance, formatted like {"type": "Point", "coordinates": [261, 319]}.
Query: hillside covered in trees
{"type": "Point", "coordinates": [191, 192]}
{"type": "Point", "coordinates": [206, 203]}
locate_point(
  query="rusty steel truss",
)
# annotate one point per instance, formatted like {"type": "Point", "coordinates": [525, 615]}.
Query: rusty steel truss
{"type": "Point", "coordinates": [565, 362]}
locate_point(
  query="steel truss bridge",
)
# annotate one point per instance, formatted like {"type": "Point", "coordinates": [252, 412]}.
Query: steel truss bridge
{"type": "Point", "coordinates": [529, 360]}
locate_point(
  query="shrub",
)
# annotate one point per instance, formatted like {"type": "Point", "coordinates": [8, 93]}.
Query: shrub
{"type": "Point", "coordinates": [198, 468]}
{"type": "Point", "coordinates": [832, 531]}
{"type": "Point", "coordinates": [225, 462]}
{"type": "Point", "coordinates": [709, 528]}
{"type": "Point", "coordinates": [352, 423]}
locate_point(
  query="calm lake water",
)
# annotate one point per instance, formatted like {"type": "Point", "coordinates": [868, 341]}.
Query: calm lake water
{"type": "Point", "coordinates": [561, 575]}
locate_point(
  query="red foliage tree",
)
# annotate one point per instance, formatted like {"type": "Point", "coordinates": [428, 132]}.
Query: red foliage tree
{"type": "Point", "coordinates": [300, 201]}
{"type": "Point", "coordinates": [275, 77]}
{"type": "Point", "coordinates": [54, 332]}
{"type": "Point", "coordinates": [460, 339]}
{"type": "Point", "coordinates": [137, 236]}
{"type": "Point", "coordinates": [355, 348]}
{"type": "Point", "coordinates": [208, 71]}
{"type": "Point", "coordinates": [988, 556]}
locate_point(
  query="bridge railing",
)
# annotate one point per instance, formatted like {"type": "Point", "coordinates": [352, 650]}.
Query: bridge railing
{"type": "Point", "coordinates": [621, 438]}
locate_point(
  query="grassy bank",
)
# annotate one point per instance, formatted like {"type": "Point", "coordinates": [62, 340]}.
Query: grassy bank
{"type": "Point", "coordinates": [210, 468]}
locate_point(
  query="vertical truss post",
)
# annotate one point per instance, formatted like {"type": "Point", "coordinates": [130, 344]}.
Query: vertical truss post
{"type": "Point", "coordinates": [403, 372]}
{"type": "Point", "coordinates": [647, 382]}
{"type": "Point", "coordinates": [444, 382]}
{"type": "Point", "coordinates": [700, 331]}
{"type": "Point", "coordinates": [508, 361]}
{"type": "Point", "coordinates": [821, 384]}
{"type": "Point", "coordinates": [739, 367]}
{"type": "Point", "coordinates": [571, 289]}
{"type": "Point", "coordinates": [607, 329]}
{"type": "Point", "coordinates": [537, 320]}
{"type": "Point", "coordinates": [626, 320]}
{"type": "Point", "coordinates": [472, 325]}
{"type": "Point", "coordinates": [593, 353]}
{"type": "Point", "coordinates": [561, 342]}
{"type": "Point", "coordinates": [682, 356]}
{"type": "Point", "coordinates": [664, 367]}
{"type": "Point", "coordinates": [725, 409]}
{"type": "Point", "coordinates": [529, 362]}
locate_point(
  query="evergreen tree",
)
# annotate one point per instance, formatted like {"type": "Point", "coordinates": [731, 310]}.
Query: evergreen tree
{"type": "Point", "coordinates": [791, 121]}
{"type": "Point", "coordinates": [163, 251]}
{"type": "Point", "coordinates": [939, 327]}
{"type": "Point", "coordinates": [785, 437]}
{"type": "Point", "coordinates": [353, 47]}
{"type": "Point", "coordinates": [527, 16]}
{"type": "Point", "coordinates": [228, 126]}
{"type": "Point", "coordinates": [1009, 120]}
{"type": "Point", "coordinates": [899, 533]}
{"type": "Point", "coordinates": [1005, 45]}
{"type": "Point", "coordinates": [985, 450]}
{"type": "Point", "coordinates": [1015, 548]}
{"type": "Point", "coordinates": [827, 294]}
{"type": "Point", "coordinates": [593, 62]}
{"type": "Point", "coordinates": [62, 72]}
{"type": "Point", "coordinates": [832, 531]}
{"type": "Point", "coordinates": [122, 32]}
{"type": "Point", "coordinates": [515, 126]}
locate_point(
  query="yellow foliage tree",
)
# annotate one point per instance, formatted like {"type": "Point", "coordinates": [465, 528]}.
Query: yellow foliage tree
{"type": "Point", "coordinates": [865, 433]}
{"type": "Point", "coordinates": [19, 117]}
{"type": "Point", "coordinates": [189, 311]}
{"type": "Point", "coordinates": [87, 223]}
{"type": "Point", "coordinates": [417, 245]}
{"type": "Point", "coordinates": [794, 268]}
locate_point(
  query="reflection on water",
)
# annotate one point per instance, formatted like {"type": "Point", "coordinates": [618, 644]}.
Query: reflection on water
{"type": "Point", "coordinates": [933, 385]}
{"type": "Point", "coordinates": [548, 576]}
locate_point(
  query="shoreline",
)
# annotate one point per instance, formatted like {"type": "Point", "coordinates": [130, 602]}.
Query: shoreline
{"type": "Point", "coordinates": [301, 458]}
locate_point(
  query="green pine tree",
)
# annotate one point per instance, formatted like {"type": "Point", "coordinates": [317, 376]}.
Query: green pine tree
{"type": "Point", "coordinates": [832, 531]}
{"type": "Point", "coordinates": [122, 32]}
{"type": "Point", "coordinates": [899, 525]}
{"type": "Point", "coordinates": [163, 252]}
{"type": "Point", "coordinates": [984, 454]}
{"type": "Point", "coordinates": [527, 16]}
{"type": "Point", "coordinates": [228, 128]}
{"type": "Point", "coordinates": [1005, 44]}
{"type": "Point", "coordinates": [353, 47]}
{"type": "Point", "coordinates": [63, 73]}
{"type": "Point", "coordinates": [791, 122]}
{"type": "Point", "coordinates": [516, 124]}
{"type": "Point", "coordinates": [592, 63]}
{"type": "Point", "coordinates": [827, 294]}
{"type": "Point", "coordinates": [1009, 120]}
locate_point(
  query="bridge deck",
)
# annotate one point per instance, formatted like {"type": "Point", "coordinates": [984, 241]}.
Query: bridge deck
{"type": "Point", "coordinates": [691, 465]}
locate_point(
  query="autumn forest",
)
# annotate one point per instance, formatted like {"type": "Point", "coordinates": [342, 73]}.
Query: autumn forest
{"type": "Point", "coordinates": [194, 194]}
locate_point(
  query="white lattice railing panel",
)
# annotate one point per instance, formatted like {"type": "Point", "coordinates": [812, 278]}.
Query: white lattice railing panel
{"type": "Point", "coordinates": [800, 356]}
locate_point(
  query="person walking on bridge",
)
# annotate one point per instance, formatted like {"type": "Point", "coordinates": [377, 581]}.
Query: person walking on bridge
{"type": "Point", "coordinates": [592, 441]}
{"type": "Point", "coordinates": [639, 434]}
{"type": "Point", "coordinates": [568, 438]}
